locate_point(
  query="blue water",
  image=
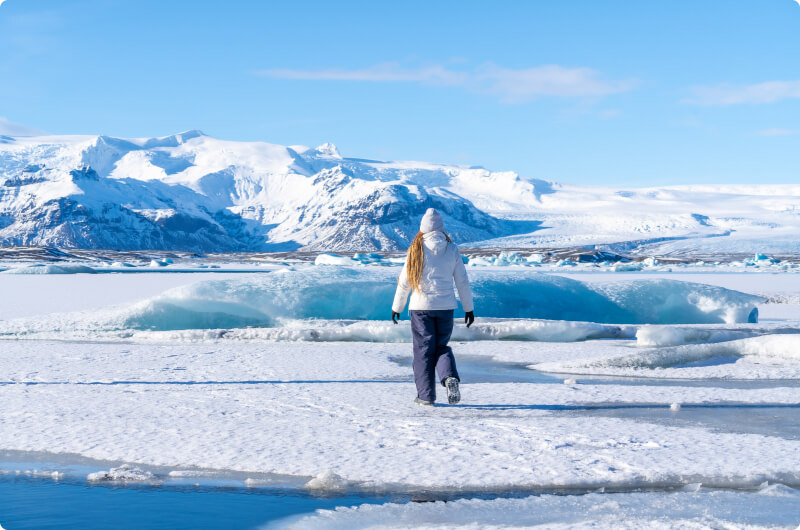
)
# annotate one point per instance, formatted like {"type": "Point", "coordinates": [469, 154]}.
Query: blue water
{"type": "Point", "coordinates": [40, 503]}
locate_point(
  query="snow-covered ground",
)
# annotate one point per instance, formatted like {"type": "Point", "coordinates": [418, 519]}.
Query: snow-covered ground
{"type": "Point", "coordinates": [771, 507]}
{"type": "Point", "coordinates": [659, 386]}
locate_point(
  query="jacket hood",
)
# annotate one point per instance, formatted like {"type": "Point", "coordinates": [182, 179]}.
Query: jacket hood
{"type": "Point", "coordinates": [436, 242]}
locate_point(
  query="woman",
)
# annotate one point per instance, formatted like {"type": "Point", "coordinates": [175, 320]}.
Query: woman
{"type": "Point", "coordinates": [432, 264]}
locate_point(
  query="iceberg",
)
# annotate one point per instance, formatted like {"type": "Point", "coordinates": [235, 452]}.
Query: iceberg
{"type": "Point", "coordinates": [365, 294]}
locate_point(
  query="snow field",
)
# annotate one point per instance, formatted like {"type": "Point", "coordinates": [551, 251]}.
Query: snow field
{"type": "Point", "coordinates": [769, 357]}
{"type": "Point", "coordinates": [773, 506]}
{"type": "Point", "coordinates": [505, 436]}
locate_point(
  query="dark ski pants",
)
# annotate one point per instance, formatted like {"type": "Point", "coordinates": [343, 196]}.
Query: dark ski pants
{"type": "Point", "coordinates": [431, 331]}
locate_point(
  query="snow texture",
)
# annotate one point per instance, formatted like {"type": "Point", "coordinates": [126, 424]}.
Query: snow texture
{"type": "Point", "coordinates": [698, 509]}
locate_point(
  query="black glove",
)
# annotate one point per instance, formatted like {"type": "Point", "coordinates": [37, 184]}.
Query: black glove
{"type": "Point", "coordinates": [395, 317]}
{"type": "Point", "coordinates": [469, 318]}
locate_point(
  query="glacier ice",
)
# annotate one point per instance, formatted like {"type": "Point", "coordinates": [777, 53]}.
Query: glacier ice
{"type": "Point", "coordinates": [359, 294]}
{"type": "Point", "coordinates": [525, 295]}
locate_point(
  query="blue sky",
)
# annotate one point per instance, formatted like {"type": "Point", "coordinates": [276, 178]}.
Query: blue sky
{"type": "Point", "coordinates": [581, 91]}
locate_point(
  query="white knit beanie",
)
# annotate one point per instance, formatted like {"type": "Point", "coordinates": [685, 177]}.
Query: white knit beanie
{"type": "Point", "coordinates": [431, 222]}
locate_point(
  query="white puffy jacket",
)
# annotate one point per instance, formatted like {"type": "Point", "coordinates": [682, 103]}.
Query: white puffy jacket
{"type": "Point", "coordinates": [441, 265]}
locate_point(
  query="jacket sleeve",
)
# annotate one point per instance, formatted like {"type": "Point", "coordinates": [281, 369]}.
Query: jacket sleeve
{"type": "Point", "coordinates": [462, 284]}
{"type": "Point", "coordinates": [403, 290]}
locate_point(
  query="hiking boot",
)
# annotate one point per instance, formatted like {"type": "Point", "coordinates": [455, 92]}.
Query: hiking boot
{"type": "Point", "coordinates": [453, 394]}
{"type": "Point", "coordinates": [419, 401]}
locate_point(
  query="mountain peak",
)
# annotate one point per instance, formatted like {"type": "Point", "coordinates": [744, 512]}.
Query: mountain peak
{"type": "Point", "coordinates": [188, 135]}
{"type": "Point", "coordinates": [329, 150]}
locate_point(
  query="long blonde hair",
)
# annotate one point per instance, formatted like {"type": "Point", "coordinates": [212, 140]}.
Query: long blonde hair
{"type": "Point", "coordinates": [414, 261]}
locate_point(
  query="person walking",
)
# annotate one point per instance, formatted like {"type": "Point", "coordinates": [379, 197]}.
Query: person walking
{"type": "Point", "coordinates": [432, 265]}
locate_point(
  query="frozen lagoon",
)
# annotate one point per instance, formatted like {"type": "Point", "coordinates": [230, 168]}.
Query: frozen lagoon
{"type": "Point", "coordinates": [254, 401]}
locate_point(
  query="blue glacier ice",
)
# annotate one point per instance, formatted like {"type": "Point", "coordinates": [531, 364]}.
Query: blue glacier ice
{"type": "Point", "coordinates": [359, 294]}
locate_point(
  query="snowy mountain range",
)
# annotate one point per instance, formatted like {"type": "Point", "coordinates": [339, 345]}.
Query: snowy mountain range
{"type": "Point", "coordinates": [196, 193]}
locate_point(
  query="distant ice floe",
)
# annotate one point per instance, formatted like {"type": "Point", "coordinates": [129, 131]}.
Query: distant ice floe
{"type": "Point", "coordinates": [516, 259]}
{"type": "Point", "coordinates": [61, 268]}
{"type": "Point", "coordinates": [505, 259]}
{"type": "Point", "coordinates": [123, 473]}
{"type": "Point", "coordinates": [357, 259]}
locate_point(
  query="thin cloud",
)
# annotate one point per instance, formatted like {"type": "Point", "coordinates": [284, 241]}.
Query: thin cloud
{"type": "Point", "coordinates": [514, 86]}
{"type": "Point", "coordinates": [9, 128]}
{"type": "Point", "coordinates": [777, 132]}
{"type": "Point", "coordinates": [381, 73]}
{"type": "Point", "coordinates": [510, 85]}
{"type": "Point", "coordinates": [759, 93]}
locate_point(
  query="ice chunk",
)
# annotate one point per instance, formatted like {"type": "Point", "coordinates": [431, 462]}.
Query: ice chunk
{"type": "Point", "coordinates": [777, 490]}
{"type": "Point", "coordinates": [505, 259]}
{"type": "Point", "coordinates": [123, 473]}
{"type": "Point", "coordinates": [675, 302]}
{"type": "Point", "coordinates": [659, 336]}
{"type": "Point", "coordinates": [628, 267]}
{"type": "Point", "coordinates": [357, 259]}
{"type": "Point", "coordinates": [775, 348]}
{"type": "Point", "coordinates": [327, 480]}
{"type": "Point", "coordinates": [332, 259]}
